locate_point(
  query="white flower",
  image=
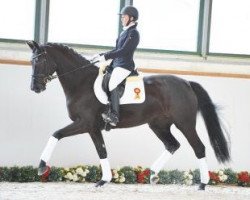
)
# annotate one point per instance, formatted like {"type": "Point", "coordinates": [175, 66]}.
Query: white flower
{"type": "Point", "coordinates": [75, 178]}
{"type": "Point", "coordinates": [221, 173]}
{"type": "Point", "coordinates": [79, 170]}
{"type": "Point", "coordinates": [82, 172]}
{"type": "Point", "coordinates": [69, 176]}
{"type": "Point", "coordinates": [223, 178]}
{"type": "Point", "coordinates": [122, 179]}
{"type": "Point", "coordinates": [186, 174]}
{"type": "Point", "coordinates": [190, 176]}
{"type": "Point", "coordinates": [66, 169]}
{"type": "Point", "coordinates": [116, 175]}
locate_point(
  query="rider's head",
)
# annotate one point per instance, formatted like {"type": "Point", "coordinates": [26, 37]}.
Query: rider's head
{"type": "Point", "coordinates": [129, 14]}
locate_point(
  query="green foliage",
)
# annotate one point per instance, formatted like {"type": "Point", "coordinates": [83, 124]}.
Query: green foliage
{"type": "Point", "coordinates": [176, 176]}
{"type": "Point", "coordinates": [18, 174]}
{"type": "Point", "coordinates": [129, 174]}
{"type": "Point", "coordinates": [4, 174]}
{"type": "Point", "coordinates": [232, 176]}
{"type": "Point", "coordinates": [94, 174]}
{"type": "Point", "coordinates": [164, 177]}
{"type": "Point", "coordinates": [171, 177]}
{"type": "Point", "coordinates": [196, 176]}
{"type": "Point", "coordinates": [56, 174]}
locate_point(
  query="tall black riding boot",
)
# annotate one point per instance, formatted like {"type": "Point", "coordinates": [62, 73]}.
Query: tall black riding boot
{"type": "Point", "coordinates": [113, 116]}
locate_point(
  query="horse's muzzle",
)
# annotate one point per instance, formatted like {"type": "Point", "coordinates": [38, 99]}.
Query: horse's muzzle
{"type": "Point", "coordinates": [37, 88]}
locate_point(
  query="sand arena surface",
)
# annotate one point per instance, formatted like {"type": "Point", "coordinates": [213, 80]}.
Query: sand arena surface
{"type": "Point", "coordinates": [87, 191]}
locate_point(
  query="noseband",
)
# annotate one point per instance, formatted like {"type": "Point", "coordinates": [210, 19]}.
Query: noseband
{"type": "Point", "coordinates": [45, 77]}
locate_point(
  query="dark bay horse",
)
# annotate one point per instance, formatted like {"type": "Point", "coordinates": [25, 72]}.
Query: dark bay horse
{"type": "Point", "coordinates": [169, 100]}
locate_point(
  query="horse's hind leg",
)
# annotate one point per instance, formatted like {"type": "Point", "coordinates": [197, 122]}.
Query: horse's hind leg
{"type": "Point", "coordinates": [162, 130]}
{"type": "Point", "coordinates": [199, 149]}
{"type": "Point", "coordinates": [72, 129]}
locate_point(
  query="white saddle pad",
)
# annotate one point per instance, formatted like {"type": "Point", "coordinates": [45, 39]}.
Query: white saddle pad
{"type": "Point", "coordinates": [134, 92]}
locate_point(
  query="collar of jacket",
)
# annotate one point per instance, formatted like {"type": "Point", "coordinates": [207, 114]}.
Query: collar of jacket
{"type": "Point", "coordinates": [127, 27]}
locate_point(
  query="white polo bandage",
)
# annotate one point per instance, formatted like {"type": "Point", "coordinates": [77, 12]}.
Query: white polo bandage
{"type": "Point", "coordinates": [204, 174]}
{"type": "Point", "coordinates": [161, 161]}
{"type": "Point", "coordinates": [47, 152]}
{"type": "Point", "coordinates": [106, 170]}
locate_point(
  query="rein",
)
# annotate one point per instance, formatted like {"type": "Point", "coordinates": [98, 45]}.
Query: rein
{"type": "Point", "coordinates": [51, 77]}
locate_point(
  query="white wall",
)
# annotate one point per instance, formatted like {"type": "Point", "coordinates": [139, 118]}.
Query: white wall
{"type": "Point", "coordinates": [28, 119]}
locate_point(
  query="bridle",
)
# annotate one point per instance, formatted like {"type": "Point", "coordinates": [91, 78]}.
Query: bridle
{"type": "Point", "coordinates": [47, 77]}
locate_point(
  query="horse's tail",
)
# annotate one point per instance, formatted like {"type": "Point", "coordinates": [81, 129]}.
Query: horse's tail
{"type": "Point", "coordinates": [208, 111]}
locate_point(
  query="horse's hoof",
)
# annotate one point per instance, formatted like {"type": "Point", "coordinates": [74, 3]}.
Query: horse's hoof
{"type": "Point", "coordinates": [43, 171]}
{"type": "Point", "coordinates": [154, 179]}
{"type": "Point", "coordinates": [100, 183]}
{"type": "Point", "coordinates": [202, 186]}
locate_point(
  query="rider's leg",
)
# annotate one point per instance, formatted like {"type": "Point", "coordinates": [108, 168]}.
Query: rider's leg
{"type": "Point", "coordinates": [113, 116]}
{"type": "Point", "coordinates": [117, 76]}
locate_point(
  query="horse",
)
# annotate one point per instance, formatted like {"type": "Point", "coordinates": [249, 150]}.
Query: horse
{"type": "Point", "coordinates": [169, 100]}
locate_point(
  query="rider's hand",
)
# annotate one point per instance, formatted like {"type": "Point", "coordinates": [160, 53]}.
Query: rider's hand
{"type": "Point", "coordinates": [98, 58]}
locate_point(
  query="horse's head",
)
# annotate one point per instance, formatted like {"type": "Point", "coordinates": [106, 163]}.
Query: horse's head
{"type": "Point", "coordinates": [42, 67]}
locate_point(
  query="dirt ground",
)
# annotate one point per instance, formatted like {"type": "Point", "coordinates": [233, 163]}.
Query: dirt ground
{"type": "Point", "coordinates": [87, 191]}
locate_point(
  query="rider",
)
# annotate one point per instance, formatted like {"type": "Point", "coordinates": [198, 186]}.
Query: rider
{"type": "Point", "coordinates": [122, 59]}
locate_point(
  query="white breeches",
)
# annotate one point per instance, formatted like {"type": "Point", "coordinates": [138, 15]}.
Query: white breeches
{"type": "Point", "coordinates": [117, 76]}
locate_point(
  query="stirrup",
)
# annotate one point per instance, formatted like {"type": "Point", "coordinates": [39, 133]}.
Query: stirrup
{"type": "Point", "coordinates": [110, 118]}
{"type": "Point", "coordinates": [105, 117]}
{"type": "Point", "coordinates": [113, 119]}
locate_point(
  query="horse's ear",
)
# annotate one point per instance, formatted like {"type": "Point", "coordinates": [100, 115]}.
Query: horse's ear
{"type": "Point", "coordinates": [33, 45]}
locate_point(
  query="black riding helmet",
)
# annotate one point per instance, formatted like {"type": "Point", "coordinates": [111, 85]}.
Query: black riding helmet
{"type": "Point", "coordinates": [131, 11]}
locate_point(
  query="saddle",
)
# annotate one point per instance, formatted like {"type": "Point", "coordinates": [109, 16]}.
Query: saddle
{"type": "Point", "coordinates": [121, 86]}
{"type": "Point", "coordinates": [131, 90]}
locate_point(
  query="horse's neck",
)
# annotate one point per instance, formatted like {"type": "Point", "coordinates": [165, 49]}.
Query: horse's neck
{"type": "Point", "coordinates": [73, 79]}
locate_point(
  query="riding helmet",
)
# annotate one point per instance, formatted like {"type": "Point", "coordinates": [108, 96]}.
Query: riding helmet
{"type": "Point", "coordinates": [131, 11]}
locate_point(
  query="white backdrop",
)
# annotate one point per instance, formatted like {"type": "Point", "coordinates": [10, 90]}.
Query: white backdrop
{"type": "Point", "coordinates": [28, 119]}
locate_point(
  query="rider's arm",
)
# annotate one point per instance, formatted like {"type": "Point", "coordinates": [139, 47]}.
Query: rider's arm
{"type": "Point", "coordinates": [129, 46]}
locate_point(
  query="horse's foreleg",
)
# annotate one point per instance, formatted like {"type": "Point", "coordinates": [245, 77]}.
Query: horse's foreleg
{"type": "Point", "coordinates": [97, 138]}
{"type": "Point", "coordinates": [72, 129]}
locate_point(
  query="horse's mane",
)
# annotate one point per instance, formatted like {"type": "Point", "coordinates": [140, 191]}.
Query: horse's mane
{"type": "Point", "coordinates": [68, 50]}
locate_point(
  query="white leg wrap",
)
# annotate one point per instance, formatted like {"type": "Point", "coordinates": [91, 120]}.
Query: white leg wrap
{"type": "Point", "coordinates": [106, 170]}
{"type": "Point", "coordinates": [49, 149]}
{"type": "Point", "coordinates": [161, 161]}
{"type": "Point", "coordinates": [204, 174]}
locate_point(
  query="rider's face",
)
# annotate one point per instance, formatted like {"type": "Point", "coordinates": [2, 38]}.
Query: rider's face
{"type": "Point", "coordinates": [124, 19]}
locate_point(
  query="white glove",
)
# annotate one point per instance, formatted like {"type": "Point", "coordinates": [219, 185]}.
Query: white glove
{"type": "Point", "coordinates": [97, 58]}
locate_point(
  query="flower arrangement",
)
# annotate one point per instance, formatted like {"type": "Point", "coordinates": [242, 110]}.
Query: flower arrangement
{"type": "Point", "coordinates": [244, 178]}
{"type": "Point", "coordinates": [188, 178]}
{"type": "Point", "coordinates": [126, 175]}
{"type": "Point", "coordinates": [118, 176]}
{"type": "Point", "coordinates": [76, 174]}
{"type": "Point", "coordinates": [142, 174]}
{"type": "Point", "coordinates": [217, 177]}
